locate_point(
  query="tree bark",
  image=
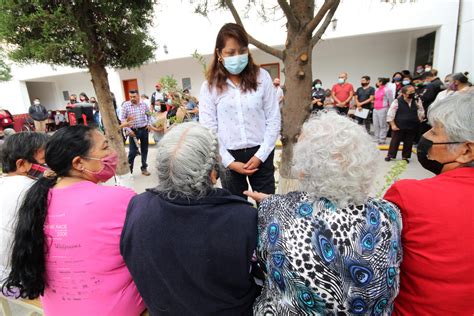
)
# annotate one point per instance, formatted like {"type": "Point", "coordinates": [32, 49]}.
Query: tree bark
{"type": "Point", "coordinates": [297, 62]}
{"type": "Point", "coordinates": [100, 82]}
{"type": "Point", "coordinates": [295, 111]}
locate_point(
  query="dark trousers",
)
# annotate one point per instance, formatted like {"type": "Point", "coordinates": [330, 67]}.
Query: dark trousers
{"type": "Point", "coordinates": [342, 111]}
{"type": "Point", "coordinates": [405, 135]}
{"type": "Point", "coordinates": [262, 180]}
{"type": "Point", "coordinates": [365, 122]}
{"type": "Point", "coordinates": [142, 136]}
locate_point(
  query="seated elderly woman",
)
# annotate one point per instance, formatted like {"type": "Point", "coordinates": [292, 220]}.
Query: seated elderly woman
{"type": "Point", "coordinates": [187, 245]}
{"type": "Point", "coordinates": [437, 215]}
{"type": "Point", "coordinates": [329, 248]}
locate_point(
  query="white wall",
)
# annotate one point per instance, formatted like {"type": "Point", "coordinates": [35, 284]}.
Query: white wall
{"type": "Point", "coordinates": [150, 74]}
{"type": "Point", "coordinates": [75, 84]}
{"type": "Point", "coordinates": [361, 17]}
{"type": "Point", "coordinates": [14, 96]}
{"type": "Point", "coordinates": [375, 55]}
{"type": "Point", "coordinates": [465, 53]}
{"type": "Point", "coordinates": [45, 91]}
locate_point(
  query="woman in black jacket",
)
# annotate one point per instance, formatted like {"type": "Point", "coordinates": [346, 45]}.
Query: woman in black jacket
{"type": "Point", "coordinates": [404, 116]}
{"type": "Point", "coordinates": [188, 245]}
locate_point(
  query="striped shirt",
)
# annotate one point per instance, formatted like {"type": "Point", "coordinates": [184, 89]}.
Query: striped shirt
{"type": "Point", "coordinates": [138, 112]}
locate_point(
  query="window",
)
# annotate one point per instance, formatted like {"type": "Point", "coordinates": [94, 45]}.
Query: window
{"type": "Point", "coordinates": [186, 83]}
{"type": "Point", "coordinates": [66, 95]}
{"type": "Point", "coordinates": [273, 69]}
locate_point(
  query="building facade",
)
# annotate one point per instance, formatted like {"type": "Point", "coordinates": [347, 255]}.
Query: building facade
{"type": "Point", "coordinates": [366, 37]}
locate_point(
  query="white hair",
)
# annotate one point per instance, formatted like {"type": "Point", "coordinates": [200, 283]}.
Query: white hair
{"type": "Point", "coordinates": [456, 114]}
{"type": "Point", "coordinates": [186, 156]}
{"type": "Point", "coordinates": [335, 158]}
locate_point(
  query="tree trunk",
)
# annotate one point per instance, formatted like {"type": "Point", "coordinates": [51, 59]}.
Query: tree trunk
{"type": "Point", "coordinates": [113, 133]}
{"type": "Point", "coordinates": [297, 107]}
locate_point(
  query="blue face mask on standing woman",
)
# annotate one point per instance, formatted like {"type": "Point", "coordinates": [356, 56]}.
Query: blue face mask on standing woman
{"type": "Point", "coordinates": [236, 64]}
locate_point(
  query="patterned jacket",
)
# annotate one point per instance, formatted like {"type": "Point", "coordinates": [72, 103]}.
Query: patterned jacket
{"type": "Point", "coordinates": [322, 260]}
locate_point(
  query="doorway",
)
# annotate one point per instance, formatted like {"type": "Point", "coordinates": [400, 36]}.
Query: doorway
{"type": "Point", "coordinates": [425, 49]}
{"type": "Point", "coordinates": [131, 84]}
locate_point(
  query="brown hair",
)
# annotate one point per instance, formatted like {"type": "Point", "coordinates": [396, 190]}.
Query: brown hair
{"type": "Point", "coordinates": [217, 74]}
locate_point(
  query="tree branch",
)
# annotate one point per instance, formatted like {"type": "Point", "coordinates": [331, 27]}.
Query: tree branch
{"type": "Point", "coordinates": [317, 36]}
{"type": "Point", "coordinates": [266, 48]}
{"type": "Point", "coordinates": [328, 4]}
{"type": "Point", "coordinates": [289, 14]}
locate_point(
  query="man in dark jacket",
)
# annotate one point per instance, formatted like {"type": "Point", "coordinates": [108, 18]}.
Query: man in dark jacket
{"type": "Point", "coordinates": [39, 114]}
{"type": "Point", "coordinates": [438, 83]}
{"type": "Point", "coordinates": [431, 88]}
{"type": "Point", "coordinates": [429, 92]}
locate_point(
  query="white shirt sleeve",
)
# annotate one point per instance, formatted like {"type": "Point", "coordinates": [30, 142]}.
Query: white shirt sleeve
{"type": "Point", "coordinates": [279, 93]}
{"type": "Point", "coordinates": [392, 111]}
{"type": "Point", "coordinates": [271, 109]}
{"type": "Point", "coordinates": [421, 110]}
{"type": "Point", "coordinates": [208, 118]}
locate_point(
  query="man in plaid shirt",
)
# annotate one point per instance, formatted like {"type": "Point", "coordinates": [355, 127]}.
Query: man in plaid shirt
{"type": "Point", "coordinates": [140, 125]}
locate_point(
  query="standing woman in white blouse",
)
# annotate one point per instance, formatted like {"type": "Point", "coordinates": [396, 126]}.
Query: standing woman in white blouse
{"type": "Point", "coordinates": [239, 103]}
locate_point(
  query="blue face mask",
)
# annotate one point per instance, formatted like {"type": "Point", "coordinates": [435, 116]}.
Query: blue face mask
{"type": "Point", "coordinates": [340, 80]}
{"type": "Point", "coordinates": [317, 86]}
{"type": "Point", "coordinates": [236, 64]}
{"type": "Point", "coordinates": [157, 108]}
{"type": "Point", "coordinates": [406, 82]}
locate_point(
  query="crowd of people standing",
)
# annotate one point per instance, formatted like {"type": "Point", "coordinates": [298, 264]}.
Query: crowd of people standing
{"type": "Point", "coordinates": [396, 106]}
{"type": "Point", "coordinates": [186, 247]}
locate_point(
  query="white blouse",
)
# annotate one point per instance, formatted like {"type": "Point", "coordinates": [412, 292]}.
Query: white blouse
{"type": "Point", "coordinates": [242, 119]}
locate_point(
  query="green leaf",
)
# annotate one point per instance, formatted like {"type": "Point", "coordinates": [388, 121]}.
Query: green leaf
{"type": "Point", "coordinates": [78, 33]}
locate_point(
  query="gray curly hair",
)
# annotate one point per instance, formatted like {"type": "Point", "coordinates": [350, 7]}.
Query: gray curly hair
{"type": "Point", "coordinates": [186, 156]}
{"type": "Point", "coordinates": [335, 158]}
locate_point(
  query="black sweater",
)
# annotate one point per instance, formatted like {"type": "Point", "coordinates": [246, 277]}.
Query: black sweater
{"type": "Point", "coordinates": [191, 257]}
{"type": "Point", "coordinates": [407, 115]}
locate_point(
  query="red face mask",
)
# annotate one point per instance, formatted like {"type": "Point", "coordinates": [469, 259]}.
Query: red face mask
{"type": "Point", "coordinates": [109, 166]}
{"type": "Point", "coordinates": [36, 171]}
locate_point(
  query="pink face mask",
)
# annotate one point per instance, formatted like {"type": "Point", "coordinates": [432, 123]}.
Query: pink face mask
{"type": "Point", "coordinates": [109, 166]}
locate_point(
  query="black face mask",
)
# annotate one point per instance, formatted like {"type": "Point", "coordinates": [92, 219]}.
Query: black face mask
{"type": "Point", "coordinates": [424, 146]}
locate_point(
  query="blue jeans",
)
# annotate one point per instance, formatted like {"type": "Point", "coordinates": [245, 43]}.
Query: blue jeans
{"type": "Point", "coordinates": [142, 136]}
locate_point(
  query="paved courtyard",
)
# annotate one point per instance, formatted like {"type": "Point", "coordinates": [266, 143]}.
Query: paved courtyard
{"type": "Point", "coordinates": [139, 183]}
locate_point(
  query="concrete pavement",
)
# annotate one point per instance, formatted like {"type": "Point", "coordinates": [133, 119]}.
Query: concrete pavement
{"type": "Point", "coordinates": [139, 182]}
